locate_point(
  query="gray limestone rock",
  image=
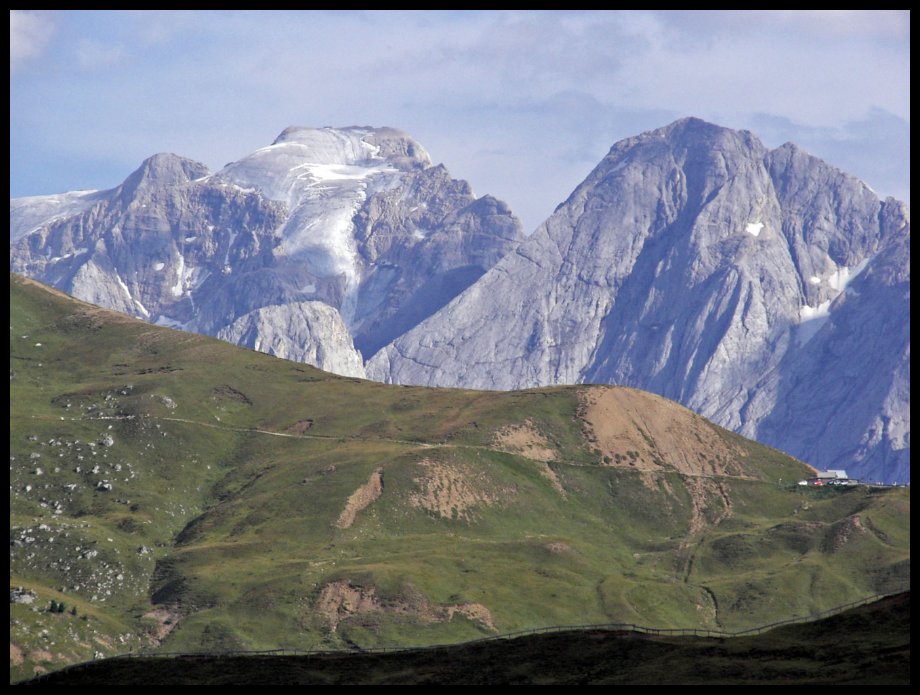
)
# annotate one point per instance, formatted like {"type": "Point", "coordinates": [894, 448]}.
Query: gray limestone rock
{"type": "Point", "coordinates": [356, 219]}
{"type": "Point", "coordinates": [694, 263]}
{"type": "Point", "coordinates": [311, 332]}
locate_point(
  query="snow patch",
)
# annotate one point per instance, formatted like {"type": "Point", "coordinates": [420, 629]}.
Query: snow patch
{"type": "Point", "coordinates": [123, 286]}
{"type": "Point", "coordinates": [190, 239]}
{"type": "Point", "coordinates": [308, 289]}
{"type": "Point", "coordinates": [76, 252]}
{"type": "Point", "coordinates": [31, 213]}
{"type": "Point", "coordinates": [338, 172]}
{"type": "Point", "coordinates": [195, 278]}
{"type": "Point", "coordinates": [810, 313]}
{"type": "Point", "coordinates": [323, 176]}
{"type": "Point", "coordinates": [188, 279]}
{"type": "Point", "coordinates": [754, 228]}
{"type": "Point", "coordinates": [170, 323]}
{"type": "Point", "coordinates": [159, 266]}
{"type": "Point", "coordinates": [176, 290]}
{"type": "Point", "coordinates": [844, 276]}
{"type": "Point", "coordinates": [812, 320]}
{"type": "Point", "coordinates": [141, 308]}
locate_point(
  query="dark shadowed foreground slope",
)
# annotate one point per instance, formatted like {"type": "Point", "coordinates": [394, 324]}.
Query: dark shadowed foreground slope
{"type": "Point", "coordinates": [867, 645]}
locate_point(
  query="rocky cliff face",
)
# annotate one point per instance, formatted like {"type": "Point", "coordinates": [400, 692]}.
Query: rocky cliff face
{"type": "Point", "coordinates": [356, 219]}
{"type": "Point", "coordinates": [764, 289]}
{"type": "Point", "coordinates": [311, 332]}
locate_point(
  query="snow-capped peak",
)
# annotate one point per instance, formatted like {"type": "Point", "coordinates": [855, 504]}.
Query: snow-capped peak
{"type": "Point", "coordinates": [324, 175]}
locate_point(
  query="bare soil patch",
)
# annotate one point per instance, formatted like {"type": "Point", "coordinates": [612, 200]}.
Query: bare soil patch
{"type": "Point", "coordinates": [300, 426]}
{"type": "Point", "coordinates": [40, 655]}
{"type": "Point", "coordinates": [361, 498]}
{"type": "Point", "coordinates": [16, 657]}
{"type": "Point", "coordinates": [643, 432]}
{"type": "Point", "coordinates": [453, 490]}
{"type": "Point", "coordinates": [343, 599]}
{"type": "Point", "coordinates": [525, 440]}
{"type": "Point", "coordinates": [166, 621]}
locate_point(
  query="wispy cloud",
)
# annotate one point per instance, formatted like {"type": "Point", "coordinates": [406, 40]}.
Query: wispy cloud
{"type": "Point", "coordinates": [30, 33]}
{"type": "Point", "coordinates": [522, 104]}
{"type": "Point", "coordinates": [93, 54]}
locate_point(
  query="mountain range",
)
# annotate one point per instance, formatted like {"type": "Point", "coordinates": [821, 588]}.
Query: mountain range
{"type": "Point", "coordinates": [764, 289]}
{"type": "Point", "coordinates": [321, 247]}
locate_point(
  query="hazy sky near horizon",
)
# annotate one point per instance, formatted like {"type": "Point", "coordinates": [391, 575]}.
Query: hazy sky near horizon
{"type": "Point", "coordinates": [522, 104]}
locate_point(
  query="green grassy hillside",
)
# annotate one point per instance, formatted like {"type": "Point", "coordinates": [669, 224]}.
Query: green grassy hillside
{"type": "Point", "coordinates": [184, 494]}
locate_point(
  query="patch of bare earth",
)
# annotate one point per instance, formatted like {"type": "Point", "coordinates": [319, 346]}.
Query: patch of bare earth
{"type": "Point", "coordinates": [453, 490]}
{"type": "Point", "coordinates": [647, 433]}
{"type": "Point", "coordinates": [652, 435]}
{"type": "Point", "coordinates": [165, 619]}
{"type": "Point", "coordinates": [40, 655]}
{"type": "Point", "coordinates": [103, 641]}
{"type": "Point", "coordinates": [16, 657]}
{"type": "Point", "coordinates": [361, 498]}
{"type": "Point", "coordinates": [551, 476]}
{"type": "Point", "coordinates": [299, 427]}
{"type": "Point", "coordinates": [475, 612]}
{"type": "Point", "coordinates": [525, 440]}
{"type": "Point", "coordinates": [711, 503]}
{"type": "Point", "coordinates": [842, 532]}
{"type": "Point", "coordinates": [710, 506]}
{"type": "Point", "coordinates": [341, 600]}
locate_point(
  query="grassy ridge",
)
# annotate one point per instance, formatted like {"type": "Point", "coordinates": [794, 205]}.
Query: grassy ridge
{"type": "Point", "coordinates": [229, 473]}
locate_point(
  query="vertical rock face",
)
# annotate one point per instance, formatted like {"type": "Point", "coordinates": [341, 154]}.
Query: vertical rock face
{"type": "Point", "coordinates": [356, 219]}
{"type": "Point", "coordinates": [764, 289]}
{"type": "Point", "coordinates": [310, 332]}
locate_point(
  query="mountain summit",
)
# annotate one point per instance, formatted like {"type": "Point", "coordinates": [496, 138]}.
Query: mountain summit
{"type": "Point", "coordinates": [326, 244]}
{"type": "Point", "coordinates": [762, 288]}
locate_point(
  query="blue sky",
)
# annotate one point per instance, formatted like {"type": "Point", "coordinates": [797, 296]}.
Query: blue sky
{"type": "Point", "coordinates": [521, 104]}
